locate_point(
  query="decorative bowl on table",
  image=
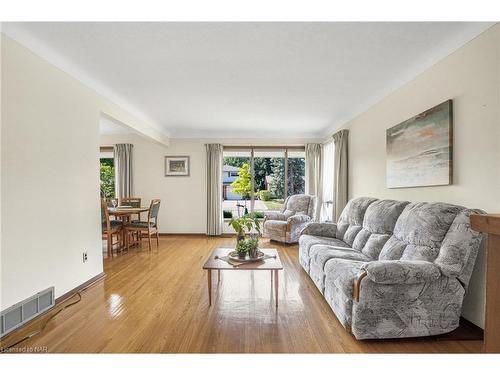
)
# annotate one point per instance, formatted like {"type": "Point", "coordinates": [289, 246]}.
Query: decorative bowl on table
{"type": "Point", "coordinates": [233, 255]}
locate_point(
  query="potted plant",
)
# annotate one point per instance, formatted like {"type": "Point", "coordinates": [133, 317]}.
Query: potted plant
{"type": "Point", "coordinates": [248, 246]}
{"type": "Point", "coordinates": [242, 226]}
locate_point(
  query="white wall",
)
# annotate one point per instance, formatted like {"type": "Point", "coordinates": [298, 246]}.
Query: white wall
{"type": "Point", "coordinates": [470, 77]}
{"type": "Point", "coordinates": [183, 207]}
{"type": "Point", "coordinates": [1, 122]}
{"type": "Point", "coordinates": [49, 176]}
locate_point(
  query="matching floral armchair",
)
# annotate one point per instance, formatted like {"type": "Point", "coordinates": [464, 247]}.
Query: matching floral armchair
{"type": "Point", "coordinates": [286, 225]}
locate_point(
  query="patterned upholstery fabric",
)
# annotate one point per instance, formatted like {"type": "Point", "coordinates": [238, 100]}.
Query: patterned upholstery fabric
{"type": "Point", "coordinates": [339, 285]}
{"type": "Point", "coordinates": [401, 271]}
{"type": "Point", "coordinates": [140, 224]}
{"type": "Point", "coordinates": [115, 224]}
{"type": "Point", "coordinates": [286, 226]}
{"type": "Point", "coordinates": [407, 310]}
{"type": "Point", "coordinates": [320, 229]}
{"type": "Point", "coordinates": [418, 259]}
{"type": "Point", "coordinates": [275, 215]}
{"type": "Point", "coordinates": [321, 254]}
{"type": "Point", "coordinates": [306, 241]}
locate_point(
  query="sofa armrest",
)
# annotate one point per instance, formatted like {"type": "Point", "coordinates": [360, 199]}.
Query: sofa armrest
{"type": "Point", "coordinates": [320, 229]}
{"type": "Point", "coordinates": [401, 271]}
{"type": "Point", "coordinates": [297, 219]}
{"type": "Point", "coordinates": [274, 215]}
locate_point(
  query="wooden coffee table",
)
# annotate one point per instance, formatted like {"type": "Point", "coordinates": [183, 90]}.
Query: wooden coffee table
{"type": "Point", "coordinates": [269, 264]}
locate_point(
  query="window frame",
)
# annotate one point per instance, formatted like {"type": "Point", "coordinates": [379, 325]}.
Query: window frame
{"type": "Point", "coordinates": [252, 150]}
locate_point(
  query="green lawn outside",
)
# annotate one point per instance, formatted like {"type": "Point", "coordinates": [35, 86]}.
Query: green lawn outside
{"type": "Point", "coordinates": [274, 204]}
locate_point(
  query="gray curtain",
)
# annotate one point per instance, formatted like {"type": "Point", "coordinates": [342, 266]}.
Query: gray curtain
{"type": "Point", "coordinates": [214, 189]}
{"type": "Point", "coordinates": [340, 172]}
{"type": "Point", "coordinates": [313, 175]}
{"type": "Point", "coordinates": [124, 186]}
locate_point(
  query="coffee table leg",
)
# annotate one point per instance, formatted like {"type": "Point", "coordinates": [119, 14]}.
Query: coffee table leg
{"type": "Point", "coordinates": [276, 286]}
{"type": "Point", "coordinates": [209, 275]}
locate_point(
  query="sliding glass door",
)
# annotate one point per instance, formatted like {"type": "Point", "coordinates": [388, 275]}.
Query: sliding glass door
{"type": "Point", "coordinates": [236, 183]}
{"type": "Point", "coordinates": [259, 179]}
{"type": "Point", "coordinates": [296, 170]}
{"type": "Point", "coordinates": [269, 177]}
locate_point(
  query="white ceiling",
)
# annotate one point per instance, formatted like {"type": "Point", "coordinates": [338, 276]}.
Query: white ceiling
{"type": "Point", "coordinates": [258, 80]}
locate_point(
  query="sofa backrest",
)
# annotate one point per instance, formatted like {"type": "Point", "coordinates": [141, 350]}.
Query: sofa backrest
{"type": "Point", "coordinates": [399, 230]}
{"type": "Point", "coordinates": [351, 219]}
{"type": "Point", "coordinates": [419, 231]}
{"type": "Point", "coordinates": [300, 203]}
{"type": "Point", "coordinates": [378, 226]}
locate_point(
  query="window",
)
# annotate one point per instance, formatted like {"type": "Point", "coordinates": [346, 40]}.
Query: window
{"type": "Point", "coordinates": [107, 172]}
{"type": "Point", "coordinates": [236, 186]}
{"type": "Point", "coordinates": [328, 181]}
{"type": "Point", "coordinates": [269, 180]}
{"type": "Point", "coordinates": [259, 179]}
{"type": "Point", "coordinates": [296, 172]}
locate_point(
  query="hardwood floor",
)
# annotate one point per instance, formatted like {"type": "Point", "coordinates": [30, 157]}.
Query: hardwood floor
{"type": "Point", "coordinates": [157, 302]}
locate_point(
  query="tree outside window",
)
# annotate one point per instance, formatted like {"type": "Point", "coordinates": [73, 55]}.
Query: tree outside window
{"type": "Point", "coordinates": [107, 172]}
{"type": "Point", "coordinates": [272, 182]}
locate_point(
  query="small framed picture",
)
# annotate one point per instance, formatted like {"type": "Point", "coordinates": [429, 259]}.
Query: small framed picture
{"type": "Point", "coordinates": [176, 166]}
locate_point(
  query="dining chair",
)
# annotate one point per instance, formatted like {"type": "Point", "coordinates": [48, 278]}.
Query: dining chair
{"type": "Point", "coordinates": [109, 228]}
{"type": "Point", "coordinates": [109, 204]}
{"type": "Point", "coordinates": [134, 202]}
{"type": "Point", "coordinates": [149, 227]}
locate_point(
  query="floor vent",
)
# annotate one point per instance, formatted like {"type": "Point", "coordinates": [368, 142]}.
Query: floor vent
{"type": "Point", "coordinates": [20, 313]}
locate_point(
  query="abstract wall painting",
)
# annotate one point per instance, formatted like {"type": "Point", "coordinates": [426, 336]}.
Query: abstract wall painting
{"type": "Point", "coordinates": [419, 150]}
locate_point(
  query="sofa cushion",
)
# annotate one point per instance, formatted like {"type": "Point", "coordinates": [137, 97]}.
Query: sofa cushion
{"type": "Point", "coordinates": [343, 273]}
{"type": "Point", "coordinates": [352, 215]}
{"type": "Point", "coordinates": [381, 216]}
{"type": "Point", "coordinates": [298, 203]}
{"type": "Point", "coordinates": [361, 239]}
{"type": "Point", "coordinates": [425, 223]}
{"type": "Point", "coordinates": [419, 231]}
{"type": "Point", "coordinates": [392, 249]}
{"type": "Point", "coordinates": [306, 241]}
{"type": "Point", "coordinates": [379, 221]}
{"type": "Point", "coordinates": [396, 249]}
{"type": "Point", "coordinates": [374, 245]}
{"type": "Point", "coordinates": [321, 254]}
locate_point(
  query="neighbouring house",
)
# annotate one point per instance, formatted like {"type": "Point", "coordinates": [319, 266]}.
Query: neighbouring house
{"type": "Point", "coordinates": [229, 175]}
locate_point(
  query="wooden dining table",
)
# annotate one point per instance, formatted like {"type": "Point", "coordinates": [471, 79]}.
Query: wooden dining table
{"type": "Point", "coordinates": [124, 215]}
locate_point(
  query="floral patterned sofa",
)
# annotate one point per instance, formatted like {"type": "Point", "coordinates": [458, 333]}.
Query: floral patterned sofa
{"type": "Point", "coordinates": [286, 225]}
{"type": "Point", "coordinates": [391, 269]}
